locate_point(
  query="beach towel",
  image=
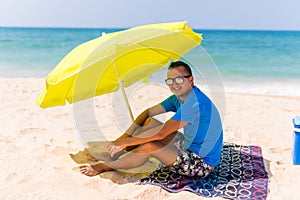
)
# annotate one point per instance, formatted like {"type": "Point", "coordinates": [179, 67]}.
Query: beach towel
{"type": "Point", "coordinates": [241, 174]}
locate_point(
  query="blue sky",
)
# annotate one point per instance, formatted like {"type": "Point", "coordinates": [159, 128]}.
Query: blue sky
{"type": "Point", "coordinates": [208, 14]}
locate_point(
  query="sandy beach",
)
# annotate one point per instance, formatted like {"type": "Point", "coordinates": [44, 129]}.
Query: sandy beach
{"type": "Point", "coordinates": [35, 145]}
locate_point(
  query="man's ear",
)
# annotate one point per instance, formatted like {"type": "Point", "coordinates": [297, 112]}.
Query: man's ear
{"type": "Point", "coordinates": [192, 79]}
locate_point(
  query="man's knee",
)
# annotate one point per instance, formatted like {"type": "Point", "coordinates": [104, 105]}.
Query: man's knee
{"type": "Point", "coordinates": [150, 147]}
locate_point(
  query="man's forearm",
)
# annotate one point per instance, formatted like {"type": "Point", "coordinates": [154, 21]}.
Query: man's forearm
{"type": "Point", "coordinates": [154, 134]}
{"type": "Point", "coordinates": [147, 136]}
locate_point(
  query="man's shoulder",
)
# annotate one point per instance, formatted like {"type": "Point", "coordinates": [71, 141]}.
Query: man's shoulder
{"type": "Point", "coordinates": [201, 96]}
{"type": "Point", "coordinates": [172, 98]}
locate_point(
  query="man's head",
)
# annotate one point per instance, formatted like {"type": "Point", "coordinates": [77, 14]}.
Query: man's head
{"type": "Point", "coordinates": [180, 79]}
{"type": "Point", "coordinates": [177, 64]}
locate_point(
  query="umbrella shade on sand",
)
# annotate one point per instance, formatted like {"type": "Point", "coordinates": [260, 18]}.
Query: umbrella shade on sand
{"type": "Point", "coordinates": [116, 60]}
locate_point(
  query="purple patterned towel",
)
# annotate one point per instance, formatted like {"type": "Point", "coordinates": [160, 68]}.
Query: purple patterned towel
{"type": "Point", "coordinates": [240, 175]}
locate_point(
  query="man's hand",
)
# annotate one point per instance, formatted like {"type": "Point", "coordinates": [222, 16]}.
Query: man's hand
{"type": "Point", "coordinates": [115, 147]}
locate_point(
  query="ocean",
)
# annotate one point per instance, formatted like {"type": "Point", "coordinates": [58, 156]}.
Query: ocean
{"type": "Point", "coordinates": [262, 58]}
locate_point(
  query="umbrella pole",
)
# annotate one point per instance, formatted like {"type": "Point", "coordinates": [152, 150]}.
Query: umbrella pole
{"type": "Point", "coordinates": [126, 99]}
{"type": "Point", "coordinates": [123, 92]}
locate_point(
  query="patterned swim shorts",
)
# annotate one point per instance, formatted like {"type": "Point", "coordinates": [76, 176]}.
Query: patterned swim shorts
{"type": "Point", "coordinates": [189, 163]}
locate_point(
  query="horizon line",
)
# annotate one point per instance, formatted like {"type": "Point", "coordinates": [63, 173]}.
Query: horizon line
{"type": "Point", "coordinates": [124, 28]}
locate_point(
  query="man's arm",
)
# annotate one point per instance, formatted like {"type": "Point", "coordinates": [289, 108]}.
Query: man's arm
{"type": "Point", "coordinates": [140, 120]}
{"type": "Point", "coordinates": [154, 134]}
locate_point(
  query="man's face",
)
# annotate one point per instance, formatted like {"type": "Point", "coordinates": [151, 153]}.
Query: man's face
{"type": "Point", "coordinates": [184, 88]}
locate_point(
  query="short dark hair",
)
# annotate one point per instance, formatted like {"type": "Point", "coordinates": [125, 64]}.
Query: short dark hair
{"type": "Point", "coordinates": [176, 64]}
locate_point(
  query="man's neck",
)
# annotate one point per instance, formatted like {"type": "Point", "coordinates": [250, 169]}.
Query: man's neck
{"type": "Point", "coordinates": [185, 96]}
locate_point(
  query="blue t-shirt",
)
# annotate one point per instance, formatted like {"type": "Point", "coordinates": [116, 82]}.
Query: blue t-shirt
{"type": "Point", "coordinates": [203, 134]}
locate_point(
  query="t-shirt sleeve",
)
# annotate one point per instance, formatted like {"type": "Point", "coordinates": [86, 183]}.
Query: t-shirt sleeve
{"type": "Point", "coordinates": [170, 103]}
{"type": "Point", "coordinates": [187, 113]}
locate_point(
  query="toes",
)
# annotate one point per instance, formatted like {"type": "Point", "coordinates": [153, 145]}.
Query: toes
{"type": "Point", "coordinates": [85, 172]}
{"type": "Point", "coordinates": [83, 169]}
{"type": "Point", "coordinates": [88, 170]}
{"type": "Point", "coordinates": [83, 166]}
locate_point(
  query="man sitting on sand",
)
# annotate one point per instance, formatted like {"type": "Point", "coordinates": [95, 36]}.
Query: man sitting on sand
{"type": "Point", "coordinates": [196, 155]}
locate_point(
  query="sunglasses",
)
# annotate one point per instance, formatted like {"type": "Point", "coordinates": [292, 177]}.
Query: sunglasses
{"type": "Point", "coordinates": [177, 80]}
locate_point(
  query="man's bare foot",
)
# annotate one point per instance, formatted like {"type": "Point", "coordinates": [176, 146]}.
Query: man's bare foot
{"type": "Point", "coordinates": [88, 170]}
{"type": "Point", "coordinates": [94, 170]}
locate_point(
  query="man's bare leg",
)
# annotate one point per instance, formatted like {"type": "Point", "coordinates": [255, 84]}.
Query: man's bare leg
{"type": "Point", "coordinates": [165, 153]}
{"type": "Point", "coordinates": [149, 124]}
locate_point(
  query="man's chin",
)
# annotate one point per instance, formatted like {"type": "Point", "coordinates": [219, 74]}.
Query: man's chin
{"type": "Point", "coordinates": [178, 94]}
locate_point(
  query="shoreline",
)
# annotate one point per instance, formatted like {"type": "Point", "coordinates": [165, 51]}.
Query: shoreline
{"type": "Point", "coordinates": [269, 88]}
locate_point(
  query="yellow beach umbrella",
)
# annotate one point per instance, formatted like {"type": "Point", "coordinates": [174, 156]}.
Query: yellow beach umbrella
{"type": "Point", "coordinates": [116, 60]}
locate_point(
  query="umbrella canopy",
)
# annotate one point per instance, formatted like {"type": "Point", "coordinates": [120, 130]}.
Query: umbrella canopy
{"type": "Point", "coordinates": [115, 60]}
